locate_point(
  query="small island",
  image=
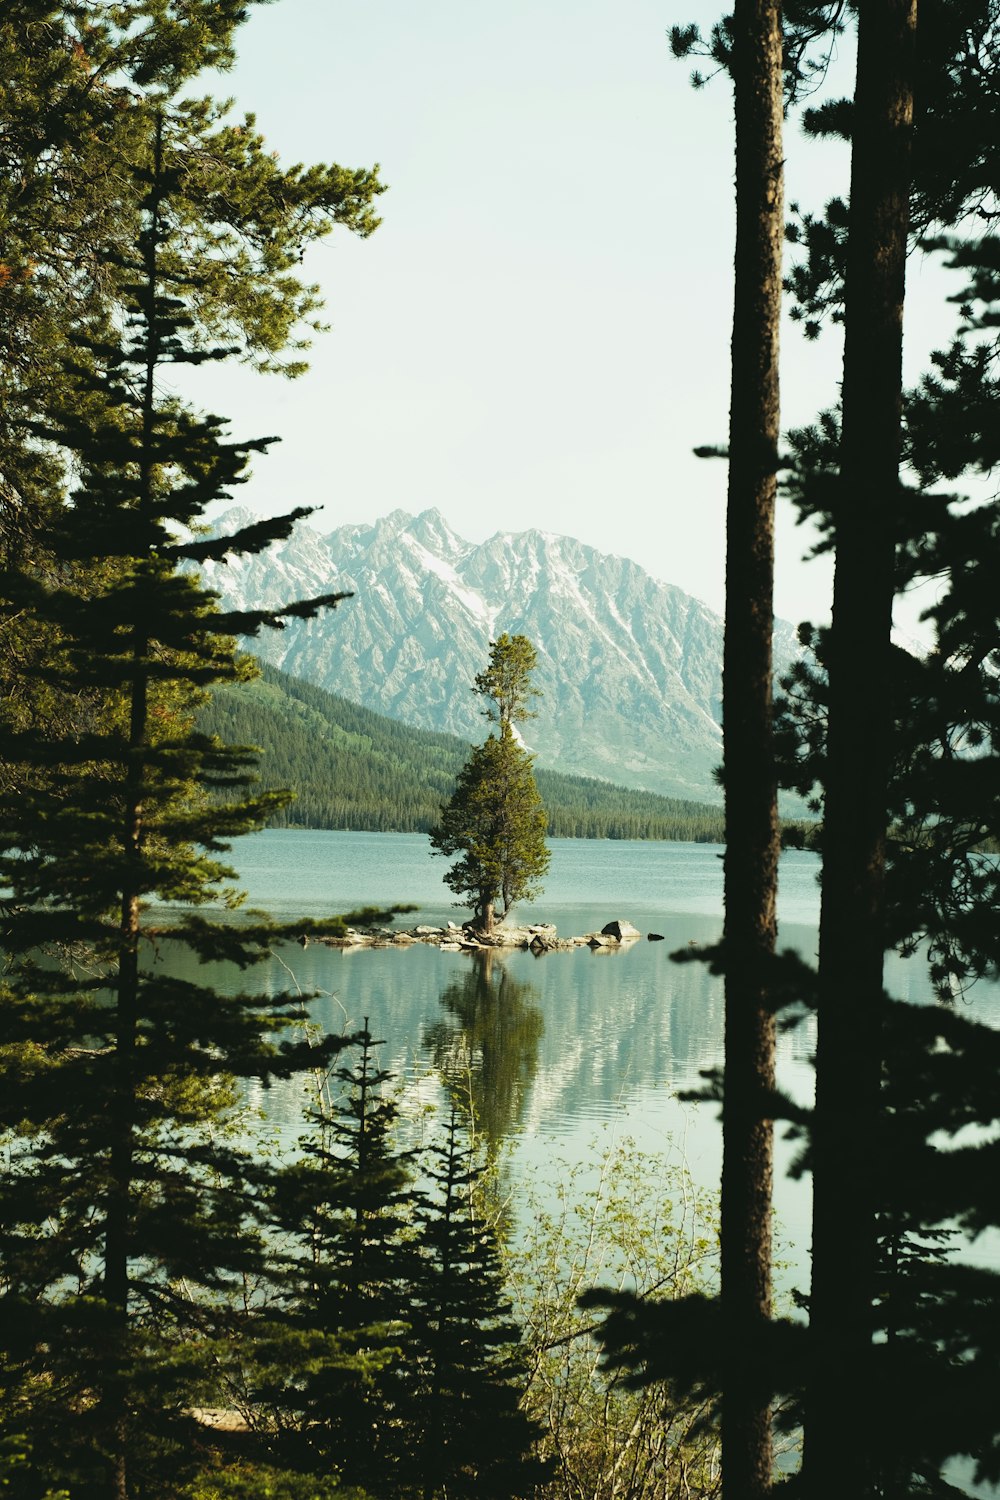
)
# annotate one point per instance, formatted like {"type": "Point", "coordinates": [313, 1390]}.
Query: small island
{"type": "Point", "coordinates": [540, 937]}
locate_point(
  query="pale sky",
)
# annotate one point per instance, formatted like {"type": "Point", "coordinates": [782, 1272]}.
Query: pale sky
{"type": "Point", "coordinates": [537, 335]}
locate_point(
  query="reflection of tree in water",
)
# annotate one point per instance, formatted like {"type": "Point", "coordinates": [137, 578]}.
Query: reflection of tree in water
{"type": "Point", "coordinates": [486, 1044]}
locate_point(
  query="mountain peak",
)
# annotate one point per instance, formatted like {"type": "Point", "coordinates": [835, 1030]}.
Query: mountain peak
{"type": "Point", "coordinates": [432, 530]}
{"type": "Point", "coordinates": [629, 668]}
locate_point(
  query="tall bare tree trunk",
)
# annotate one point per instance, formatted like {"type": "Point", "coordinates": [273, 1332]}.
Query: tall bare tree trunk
{"type": "Point", "coordinates": [840, 1400]}
{"type": "Point", "coordinates": [751, 865]}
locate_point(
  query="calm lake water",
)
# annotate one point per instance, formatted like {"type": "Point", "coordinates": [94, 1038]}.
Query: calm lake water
{"type": "Point", "coordinates": [568, 1053]}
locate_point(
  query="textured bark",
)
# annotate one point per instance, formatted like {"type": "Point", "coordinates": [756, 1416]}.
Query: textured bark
{"type": "Point", "coordinates": [751, 811]}
{"type": "Point", "coordinates": [852, 922]}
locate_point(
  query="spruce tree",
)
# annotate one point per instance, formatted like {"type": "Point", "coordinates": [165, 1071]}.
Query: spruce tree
{"type": "Point", "coordinates": [340, 1353]}
{"type": "Point", "coordinates": [472, 1439]}
{"type": "Point", "coordinates": [127, 1214]}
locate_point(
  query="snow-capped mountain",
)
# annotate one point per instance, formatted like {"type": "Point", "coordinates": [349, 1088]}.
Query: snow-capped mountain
{"type": "Point", "coordinates": [630, 667]}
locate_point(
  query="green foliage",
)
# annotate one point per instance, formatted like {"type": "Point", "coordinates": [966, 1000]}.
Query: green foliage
{"type": "Point", "coordinates": [631, 1220]}
{"type": "Point", "coordinates": [263, 1482]}
{"type": "Point", "coordinates": [356, 769]}
{"type": "Point", "coordinates": [496, 823]}
{"type": "Point", "coordinates": [476, 1440]}
{"type": "Point", "coordinates": [77, 84]}
{"type": "Point", "coordinates": [495, 819]}
{"type": "Point", "coordinates": [128, 1211]}
{"type": "Point", "coordinates": [934, 1346]}
{"type": "Point", "coordinates": [345, 1204]}
{"type": "Point", "coordinates": [405, 1375]}
{"type": "Point", "coordinates": [506, 683]}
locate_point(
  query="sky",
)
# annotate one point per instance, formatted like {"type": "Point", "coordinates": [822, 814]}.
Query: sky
{"type": "Point", "coordinates": [537, 335]}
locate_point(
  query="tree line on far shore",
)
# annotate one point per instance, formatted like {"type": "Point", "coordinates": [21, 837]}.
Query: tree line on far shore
{"type": "Point", "coordinates": [356, 769]}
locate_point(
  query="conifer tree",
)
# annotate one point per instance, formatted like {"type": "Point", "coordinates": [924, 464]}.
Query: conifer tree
{"type": "Point", "coordinates": [749, 778]}
{"type": "Point", "coordinates": [852, 927]}
{"type": "Point", "coordinates": [495, 819]}
{"type": "Point", "coordinates": [473, 1439]}
{"type": "Point", "coordinates": [898, 1079]}
{"type": "Point", "coordinates": [335, 1362]}
{"type": "Point", "coordinates": [126, 1215]}
{"type": "Point", "coordinates": [75, 86]}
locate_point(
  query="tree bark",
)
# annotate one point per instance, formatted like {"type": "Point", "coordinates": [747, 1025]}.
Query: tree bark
{"type": "Point", "coordinates": [840, 1399]}
{"type": "Point", "coordinates": [751, 861]}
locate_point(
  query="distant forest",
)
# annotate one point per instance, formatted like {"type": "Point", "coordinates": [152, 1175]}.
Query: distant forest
{"type": "Point", "coordinates": [356, 769]}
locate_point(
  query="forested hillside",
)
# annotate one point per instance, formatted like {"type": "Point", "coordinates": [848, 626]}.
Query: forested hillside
{"type": "Point", "coordinates": [353, 768]}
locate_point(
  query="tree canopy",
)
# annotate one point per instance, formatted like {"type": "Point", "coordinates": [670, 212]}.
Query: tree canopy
{"type": "Point", "coordinates": [495, 820]}
{"type": "Point", "coordinates": [140, 235]}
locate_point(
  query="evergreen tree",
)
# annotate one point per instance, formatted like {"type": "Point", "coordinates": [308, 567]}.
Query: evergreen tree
{"type": "Point", "coordinates": [506, 683]}
{"type": "Point", "coordinates": [127, 1213]}
{"type": "Point", "coordinates": [852, 927]}
{"type": "Point", "coordinates": [897, 1079]}
{"type": "Point", "coordinates": [473, 1440]}
{"type": "Point", "coordinates": [749, 778]}
{"type": "Point", "coordinates": [342, 1358]}
{"type": "Point", "coordinates": [76, 84]}
{"type": "Point", "coordinates": [495, 819]}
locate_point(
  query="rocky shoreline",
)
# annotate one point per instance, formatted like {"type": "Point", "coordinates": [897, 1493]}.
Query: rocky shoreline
{"type": "Point", "coordinates": [539, 937]}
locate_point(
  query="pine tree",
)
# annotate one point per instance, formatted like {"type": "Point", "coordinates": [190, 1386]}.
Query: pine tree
{"type": "Point", "coordinates": [127, 1214]}
{"type": "Point", "coordinates": [341, 1355]}
{"type": "Point", "coordinates": [934, 1342]}
{"type": "Point", "coordinates": [852, 930]}
{"type": "Point", "coordinates": [473, 1440]}
{"type": "Point", "coordinates": [495, 819]}
{"type": "Point", "coordinates": [749, 777]}
{"type": "Point", "coordinates": [76, 85]}
{"type": "Point", "coordinates": [901, 1078]}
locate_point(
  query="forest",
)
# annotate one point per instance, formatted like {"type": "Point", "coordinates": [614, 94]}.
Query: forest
{"type": "Point", "coordinates": [354, 768]}
{"type": "Point", "coordinates": [187, 1310]}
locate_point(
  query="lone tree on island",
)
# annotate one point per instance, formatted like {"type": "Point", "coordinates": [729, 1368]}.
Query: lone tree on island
{"type": "Point", "coordinates": [495, 820]}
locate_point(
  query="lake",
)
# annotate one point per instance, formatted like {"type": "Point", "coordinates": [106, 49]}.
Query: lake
{"type": "Point", "coordinates": [570, 1052]}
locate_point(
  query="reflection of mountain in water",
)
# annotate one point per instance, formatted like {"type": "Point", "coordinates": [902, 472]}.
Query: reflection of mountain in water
{"type": "Point", "coordinates": [486, 1044]}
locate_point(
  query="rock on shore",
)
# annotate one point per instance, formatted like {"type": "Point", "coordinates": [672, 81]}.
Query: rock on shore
{"type": "Point", "coordinates": [540, 937]}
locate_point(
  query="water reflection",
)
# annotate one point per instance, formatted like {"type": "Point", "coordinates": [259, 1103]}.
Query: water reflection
{"type": "Point", "coordinates": [485, 1046]}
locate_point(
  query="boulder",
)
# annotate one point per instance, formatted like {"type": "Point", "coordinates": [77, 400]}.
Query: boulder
{"type": "Point", "coordinates": [623, 931]}
{"type": "Point", "coordinates": [655, 937]}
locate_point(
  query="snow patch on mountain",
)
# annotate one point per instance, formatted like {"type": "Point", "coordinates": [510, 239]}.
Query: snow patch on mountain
{"type": "Point", "coordinates": [629, 667]}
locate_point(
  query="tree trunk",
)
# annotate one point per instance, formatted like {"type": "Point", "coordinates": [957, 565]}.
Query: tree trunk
{"type": "Point", "coordinates": [751, 810]}
{"type": "Point", "coordinates": [841, 1403]}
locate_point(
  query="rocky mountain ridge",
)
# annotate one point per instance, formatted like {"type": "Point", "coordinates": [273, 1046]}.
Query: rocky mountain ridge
{"type": "Point", "coordinates": [630, 667]}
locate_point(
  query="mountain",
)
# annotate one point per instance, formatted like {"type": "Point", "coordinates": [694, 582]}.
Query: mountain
{"type": "Point", "coordinates": [630, 667]}
{"type": "Point", "coordinates": [354, 768]}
